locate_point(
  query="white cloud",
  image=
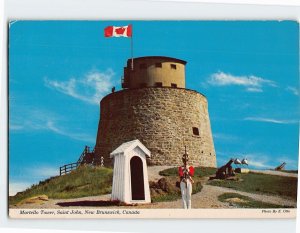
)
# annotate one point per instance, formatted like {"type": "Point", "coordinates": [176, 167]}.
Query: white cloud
{"type": "Point", "coordinates": [15, 127]}
{"type": "Point", "coordinates": [15, 187]}
{"type": "Point", "coordinates": [224, 137]}
{"type": "Point", "coordinates": [32, 119]}
{"type": "Point", "coordinates": [251, 83]}
{"type": "Point", "coordinates": [290, 163]}
{"type": "Point", "coordinates": [253, 89]}
{"type": "Point", "coordinates": [91, 88]}
{"type": "Point", "coordinates": [262, 161]}
{"type": "Point", "coordinates": [24, 118]}
{"type": "Point", "coordinates": [77, 136]}
{"type": "Point", "coordinates": [259, 164]}
{"type": "Point", "coordinates": [255, 160]}
{"type": "Point", "coordinates": [271, 120]}
{"type": "Point", "coordinates": [293, 90]}
{"type": "Point", "coordinates": [42, 171]}
{"type": "Point", "coordinates": [33, 173]}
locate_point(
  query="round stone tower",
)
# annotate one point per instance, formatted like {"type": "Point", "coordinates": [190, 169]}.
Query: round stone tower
{"type": "Point", "coordinates": [156, 108]}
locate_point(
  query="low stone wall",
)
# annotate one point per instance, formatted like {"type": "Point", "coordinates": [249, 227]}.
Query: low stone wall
{"type": "Point", "coordinates": [162, 119]}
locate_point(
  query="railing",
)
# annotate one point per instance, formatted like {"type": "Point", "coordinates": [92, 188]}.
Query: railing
{"type": "Point", "coordinates": [84, 152]}
{"type": "Point", "coordinates": [67, 168]}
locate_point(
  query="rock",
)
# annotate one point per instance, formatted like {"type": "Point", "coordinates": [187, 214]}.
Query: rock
{"type": "Point", "coordinates": [152, 192]}
{"type": "Point", "coordinates": [159, 192]}
{"type": "Point", "coordinates": [152, 184]}
{"type": "Point", "coordinates": [163, 184]}
{"type": "Point", "coordinates": [41, 199]}
{"type": "Point", "coordinates": [162, 187]}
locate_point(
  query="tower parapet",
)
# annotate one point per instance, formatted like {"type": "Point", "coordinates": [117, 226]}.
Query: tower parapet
{"type": "Point", "coordinates": [154, 71]}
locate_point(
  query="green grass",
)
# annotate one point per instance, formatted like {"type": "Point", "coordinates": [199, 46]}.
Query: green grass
{"type": "Point", "coordinates": [166, 197]}
{"type": "Point", "coordinates": [250, 203]}
{"type": "Point", "coordinates": [262, 184]}
{"type": "Point", "coordinates": [199, 171]}
{"type": "Point", "coordinates": [84, 181]}
{"type": "Point", "coordinates": [88, 181]}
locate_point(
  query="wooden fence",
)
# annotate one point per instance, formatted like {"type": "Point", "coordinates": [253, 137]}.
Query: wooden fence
{"type": "Point", "coordinates": [67, 168]}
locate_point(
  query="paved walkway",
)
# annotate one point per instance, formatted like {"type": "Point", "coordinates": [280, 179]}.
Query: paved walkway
{"type": "Point", "coordinates": [153, 172]}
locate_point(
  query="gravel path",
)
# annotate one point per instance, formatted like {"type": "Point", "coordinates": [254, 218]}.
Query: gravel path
{"type": "Point", "coordinates": [153, 172]}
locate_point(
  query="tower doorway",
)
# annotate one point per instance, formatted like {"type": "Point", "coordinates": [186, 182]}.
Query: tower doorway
{"type": "Point", "coordinates": [137, 179]}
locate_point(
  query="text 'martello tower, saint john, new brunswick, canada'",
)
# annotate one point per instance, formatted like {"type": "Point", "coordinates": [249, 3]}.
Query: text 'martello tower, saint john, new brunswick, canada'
{"type": "Point", "coordinates": [155, 107]}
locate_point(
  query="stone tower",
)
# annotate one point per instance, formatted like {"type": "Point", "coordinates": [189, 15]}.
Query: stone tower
{"type": "Point", "coordinates": [155, 107]}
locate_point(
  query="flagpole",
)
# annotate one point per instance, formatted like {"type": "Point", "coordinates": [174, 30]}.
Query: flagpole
{"type": "Point", "coordinates": [131, 48]}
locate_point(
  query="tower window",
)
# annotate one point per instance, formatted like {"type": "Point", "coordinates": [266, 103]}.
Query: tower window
{"type": "Point", "coordinates": [173, 66]}
{"type": "Point", "coordinates": [196, 131]}
{"type": "Point", "coordinates": [143, 66]}
{"type": "Point", "coordinates": [174, 85]}
{"type": "Point", "coordinates": [158, 65]}
{"type": "Point", "coordinates": [158, 84]}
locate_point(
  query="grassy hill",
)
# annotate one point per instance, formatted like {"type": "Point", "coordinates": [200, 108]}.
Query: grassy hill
{"type": "Point", "coordinates": [92, 181]}
{"type": "Point", "coordinates": [84, 181]}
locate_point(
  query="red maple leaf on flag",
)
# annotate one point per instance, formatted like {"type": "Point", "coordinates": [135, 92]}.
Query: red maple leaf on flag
{"type": "Point", "coordinates": [120, 31]}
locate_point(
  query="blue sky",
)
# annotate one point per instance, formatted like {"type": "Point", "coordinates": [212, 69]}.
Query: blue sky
{"type": "Point", "coordinates": [60, 70]}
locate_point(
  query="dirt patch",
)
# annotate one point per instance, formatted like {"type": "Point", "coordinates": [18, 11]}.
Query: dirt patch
{"type": "Point", "coordinates": [37, 200]}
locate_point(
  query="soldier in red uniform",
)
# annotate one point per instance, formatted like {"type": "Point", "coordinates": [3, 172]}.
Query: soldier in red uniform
{"type": "Point", "coordinates": [185, 173]}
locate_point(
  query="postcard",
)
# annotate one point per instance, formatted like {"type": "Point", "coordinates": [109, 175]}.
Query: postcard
{"type": "Point", "coordinates": [153, 119]}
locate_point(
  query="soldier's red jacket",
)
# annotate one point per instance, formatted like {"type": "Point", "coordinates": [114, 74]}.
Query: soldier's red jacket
{"type": "Point", "coordinates": [191, 171]}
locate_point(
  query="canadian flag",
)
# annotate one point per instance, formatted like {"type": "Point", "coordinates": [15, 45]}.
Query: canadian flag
{"type": "Point", "coordinates": [114, 31]}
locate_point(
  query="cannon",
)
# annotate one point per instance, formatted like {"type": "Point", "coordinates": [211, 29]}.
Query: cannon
{"type": "Point", "coordinates": [280, 167]}
{"type": "Point", "coordinates": [225, 171]}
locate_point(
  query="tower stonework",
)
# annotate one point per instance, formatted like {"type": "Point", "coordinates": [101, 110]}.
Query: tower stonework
{"type": "Point", "coordinates": [156, 108]}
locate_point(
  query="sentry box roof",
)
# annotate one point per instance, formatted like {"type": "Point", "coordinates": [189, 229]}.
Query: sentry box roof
{"type": "Point", "coordinates": [128, 146]}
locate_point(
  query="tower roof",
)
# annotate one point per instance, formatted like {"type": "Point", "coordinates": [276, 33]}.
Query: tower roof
{"type": "Point", "coordinates": [159, 58]}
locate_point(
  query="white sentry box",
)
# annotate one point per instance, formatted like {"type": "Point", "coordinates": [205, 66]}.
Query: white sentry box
{"type": "Point", "coordinates": [130, 177]}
